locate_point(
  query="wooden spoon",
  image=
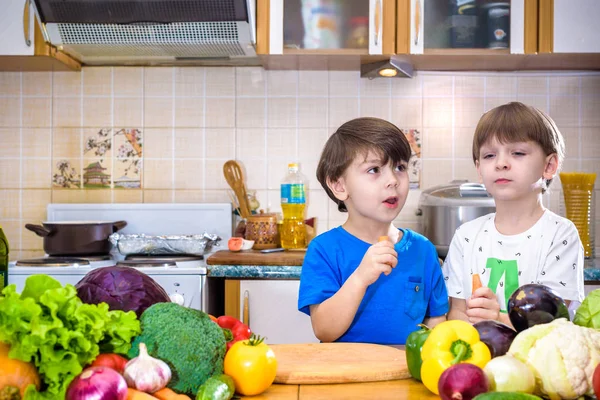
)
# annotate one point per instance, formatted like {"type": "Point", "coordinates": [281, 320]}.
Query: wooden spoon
{"type": "Point", "coordinates": [235, 179]}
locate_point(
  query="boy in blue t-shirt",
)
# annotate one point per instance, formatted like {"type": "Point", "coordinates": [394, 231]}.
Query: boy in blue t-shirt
{"type": "Point", "coordinates": [354, 287]}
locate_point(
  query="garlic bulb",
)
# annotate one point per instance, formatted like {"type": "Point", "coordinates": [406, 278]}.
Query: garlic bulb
{"type": "Point", "coordinates": [146, 373]}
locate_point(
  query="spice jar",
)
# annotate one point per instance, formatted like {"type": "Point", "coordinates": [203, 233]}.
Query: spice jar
{"type": "Point", "coordinates": [358, 37]}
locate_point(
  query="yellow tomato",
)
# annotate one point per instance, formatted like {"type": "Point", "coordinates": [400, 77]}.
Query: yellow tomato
{"type": "Point", "coordinates": [252, 365]}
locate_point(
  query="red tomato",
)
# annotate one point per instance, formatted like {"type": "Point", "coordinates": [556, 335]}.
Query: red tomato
{"type": "Point", "coordinates": [113, 361]}
{"type": "Point", "coordinates": [235, 243]}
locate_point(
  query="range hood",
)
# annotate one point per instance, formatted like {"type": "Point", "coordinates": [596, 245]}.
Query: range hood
{"type": "Point", "coordinates": [151, 32]}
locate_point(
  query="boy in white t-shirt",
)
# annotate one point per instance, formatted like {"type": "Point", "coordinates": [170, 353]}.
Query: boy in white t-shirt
{"type": "Point", "coordinates": [517, 150]}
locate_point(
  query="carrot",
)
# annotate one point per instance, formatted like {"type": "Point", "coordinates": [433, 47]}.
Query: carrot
{"type": "Point", "coordinates": [133, 394]}
{"type": "Point", "coordinates": [168, 394]}
{"type": "Point", "coordinates": [383, 238]}
{"type": "Point", "coordinates": [476, 282]}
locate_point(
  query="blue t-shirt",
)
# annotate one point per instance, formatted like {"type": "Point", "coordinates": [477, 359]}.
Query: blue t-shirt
{"type": "Point", "coordinates": [393, 305]}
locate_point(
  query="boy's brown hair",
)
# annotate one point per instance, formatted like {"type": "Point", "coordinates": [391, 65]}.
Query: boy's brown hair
{"type": "Point", "coordinates": [517, 122]}
{"type": "Point", "coordinates": [356, 137]}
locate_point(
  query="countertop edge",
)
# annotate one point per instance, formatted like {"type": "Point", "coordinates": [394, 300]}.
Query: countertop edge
{"type": "Point", "coordinates": [294, 271]}
{"type": "Point", "coordinates": [254, 271]}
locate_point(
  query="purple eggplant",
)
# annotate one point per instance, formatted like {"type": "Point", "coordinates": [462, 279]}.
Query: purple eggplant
{"type": "Point", "coordinates": [496, 335]}
{"type": "Point", "coordinates": [533, 305]}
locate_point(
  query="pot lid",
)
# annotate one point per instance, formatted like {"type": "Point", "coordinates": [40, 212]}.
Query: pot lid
{"type": "Point", "coordinates": [78, 222]}
{"type": "Point", "coordinates": [457, 193]}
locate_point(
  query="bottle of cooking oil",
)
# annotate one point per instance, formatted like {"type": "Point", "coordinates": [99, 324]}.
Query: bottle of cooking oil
{"type": "Point", "coordinates": [293, 202]}
{"type": "Point", "coordinates": [3, 260]}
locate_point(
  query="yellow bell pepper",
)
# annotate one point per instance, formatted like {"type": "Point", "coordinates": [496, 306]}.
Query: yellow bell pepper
{"type": "Point", "coordinates": [449, 343]}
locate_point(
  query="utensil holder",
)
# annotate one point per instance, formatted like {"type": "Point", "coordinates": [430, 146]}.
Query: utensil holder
{"type": "Point", "coordinates": [578, 205]}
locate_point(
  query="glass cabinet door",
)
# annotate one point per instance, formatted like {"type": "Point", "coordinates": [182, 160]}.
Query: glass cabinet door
{"type": "Point", "coordinates": [329, 26]}
{"type": "Point", "coordinates": [467, 24]}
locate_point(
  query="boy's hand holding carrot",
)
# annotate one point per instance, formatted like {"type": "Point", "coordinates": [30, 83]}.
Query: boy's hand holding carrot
{"type": "Point", "coordinates": [483, 303]}
{"type": "Point", "coordinates": [379, 258]}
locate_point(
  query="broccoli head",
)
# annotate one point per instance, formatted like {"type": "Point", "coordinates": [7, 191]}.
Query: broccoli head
{"type": "Point", "coordinates": [187, 340]}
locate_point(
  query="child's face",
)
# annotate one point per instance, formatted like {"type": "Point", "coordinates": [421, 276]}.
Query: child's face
{"type": "Point", "coordinates": [511, 171]}
{"type": "Point", "coordinates": [372, 191]}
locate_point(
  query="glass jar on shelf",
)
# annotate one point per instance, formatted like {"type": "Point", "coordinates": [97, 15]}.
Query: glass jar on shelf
{"type": "Point", "coordinates": [358, 35]}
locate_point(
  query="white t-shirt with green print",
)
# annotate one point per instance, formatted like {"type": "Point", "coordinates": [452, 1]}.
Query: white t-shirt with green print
{"type": "Point", "coordinates": [549, 253]}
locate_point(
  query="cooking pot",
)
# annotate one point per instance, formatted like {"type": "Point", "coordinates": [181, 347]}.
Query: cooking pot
{"type": "Point", "coordinates": [76, 238]}
{"type": "Point", "coordinates": [446, 207]}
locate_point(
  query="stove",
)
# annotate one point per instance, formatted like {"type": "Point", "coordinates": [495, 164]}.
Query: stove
{"type": "Point", "coordinates": [182, 276]}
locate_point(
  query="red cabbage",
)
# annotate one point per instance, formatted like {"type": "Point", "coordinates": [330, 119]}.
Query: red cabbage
{"type": "Point", "coordinates": [122, 288]}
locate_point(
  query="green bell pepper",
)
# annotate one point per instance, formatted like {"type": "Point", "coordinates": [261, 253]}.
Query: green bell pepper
{"type": "Point", "coordinates": [414, 344]}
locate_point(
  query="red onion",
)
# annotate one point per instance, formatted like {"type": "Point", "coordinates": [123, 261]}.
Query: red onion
{"type": "Point", "coordinates": [462, 382]}
{"type": "Point", "coordinates": [97, 383]}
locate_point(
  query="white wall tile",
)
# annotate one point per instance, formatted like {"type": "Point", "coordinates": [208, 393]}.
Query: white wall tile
{"type": "Point", "coordinates": [282, 112]}
{"type": "Point", "coordinates": [341, 110]}
{"type": "Point", "coordinates": [407, 87]}
{"type": "Point", "coordinates": [282, 83]}
{"type": "Point", "coordinates": [220, 81]}
{"type": "Point", "coordinates": [313, 83]}
{"type": "Point", "coordinates": [375, 107]}
{"type": "Point", "coordinates": [343, 83]}
{"type": "Point", "coordinates": [250, 112]}
{"type": "Point", "coordinates": [250, 81]}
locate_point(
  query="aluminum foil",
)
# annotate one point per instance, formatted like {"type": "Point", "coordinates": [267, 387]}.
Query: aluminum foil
{"type": "Point", "coordinates": [172, 244]}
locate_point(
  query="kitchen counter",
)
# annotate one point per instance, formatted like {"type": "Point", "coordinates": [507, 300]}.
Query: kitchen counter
{"type": "Point", "coordinates": [392, 390]}
{"type": "Point", "coordinates": [253, 264]}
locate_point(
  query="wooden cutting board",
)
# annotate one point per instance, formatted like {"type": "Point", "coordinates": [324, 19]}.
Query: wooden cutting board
{"type": "Point", "coordinates": [255, 257]}
{"type": "Point", "coordinates": [314, 363]}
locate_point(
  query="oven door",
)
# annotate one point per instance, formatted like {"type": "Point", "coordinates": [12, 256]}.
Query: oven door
{"type": "Point", "coordinates": [185, 290]}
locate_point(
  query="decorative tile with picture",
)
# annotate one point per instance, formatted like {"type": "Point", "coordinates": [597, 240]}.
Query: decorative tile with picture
{"type": "Point", "coordinates": [414, 164]}
{"type": "Point", "coordinates": [128, 158]}
{"type": "Point", "coordinates": [96, 173]}
{"type": "Point", "coordinates": [128, 174]}
{"type": "Point", "coordinates": [97, 142]}
{"type": "Point", "coordinates": [66, 174]}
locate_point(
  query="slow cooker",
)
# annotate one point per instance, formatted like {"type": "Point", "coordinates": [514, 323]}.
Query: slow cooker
{"type": "Point", "coordinates": [444, 208]}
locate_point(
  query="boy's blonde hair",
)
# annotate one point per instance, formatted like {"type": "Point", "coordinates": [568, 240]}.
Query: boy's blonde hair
{"type": "Point", "coordinates": [357, 137]}
{"type": "Point", "coordinates": [517, 122]}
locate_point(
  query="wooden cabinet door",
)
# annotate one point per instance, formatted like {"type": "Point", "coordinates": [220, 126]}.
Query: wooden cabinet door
{"type": "Point", "coordinates": [335, 27]}
{"type": "Point", "coordinates": [569, 26]}
{"type": "Point", "coordinates": [467, 27]}
{"type": "Point", "coordinates": [272, 311]}
{"type": "Point", "coordinates": [16, 28]}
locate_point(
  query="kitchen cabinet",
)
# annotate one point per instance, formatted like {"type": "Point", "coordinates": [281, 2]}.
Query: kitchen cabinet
{"type": "Point", "coordinates": [270, 308]}
{"type": "Point", "coordinates": [22, 45]}
{"type": "Point", "coordinates": [467, 27]}
{"type": "Point", "coordinates": [359, 27]}
{"type": "Point", "coordinates": [569, 27]}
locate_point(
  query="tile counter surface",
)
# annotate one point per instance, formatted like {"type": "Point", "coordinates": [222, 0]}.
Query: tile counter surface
{"type": "Point", "coordinates": [254, 271]}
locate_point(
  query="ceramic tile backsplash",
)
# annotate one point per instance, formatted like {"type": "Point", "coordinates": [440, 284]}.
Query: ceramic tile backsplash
{"type": "Point", "coordinates": [190, 120]}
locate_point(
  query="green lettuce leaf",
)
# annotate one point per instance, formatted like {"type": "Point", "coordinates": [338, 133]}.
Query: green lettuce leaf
{"type": "Point", "coordinates": [47, 324]}
{"type": "Point", "coordinates": [588, 313]}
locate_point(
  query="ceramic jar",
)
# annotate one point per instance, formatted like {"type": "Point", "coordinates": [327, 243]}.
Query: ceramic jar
{"type": "Point", "coordinates": [262, 228]}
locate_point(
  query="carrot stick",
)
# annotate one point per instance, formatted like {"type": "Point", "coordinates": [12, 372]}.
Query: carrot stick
{"type": "Point", "coordinates": [383, 238]}
{"type": "Point", "coordinates": [476, 282]}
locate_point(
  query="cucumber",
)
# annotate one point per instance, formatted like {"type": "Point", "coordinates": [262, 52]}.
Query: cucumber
{"type": "Point", "coordinates": [506, 396]}
{"type": "Point", "coordinates": [217, 387]}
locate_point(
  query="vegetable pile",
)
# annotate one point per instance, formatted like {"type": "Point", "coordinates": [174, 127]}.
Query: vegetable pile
{"type": "Point", "coordinates": [49, 326]}
{"type": "Point", "coordinates": [547, 355]}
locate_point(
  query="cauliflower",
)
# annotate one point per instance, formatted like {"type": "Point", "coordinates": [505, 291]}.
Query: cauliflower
{"type": "Point", "coordinates": [561, 355]}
